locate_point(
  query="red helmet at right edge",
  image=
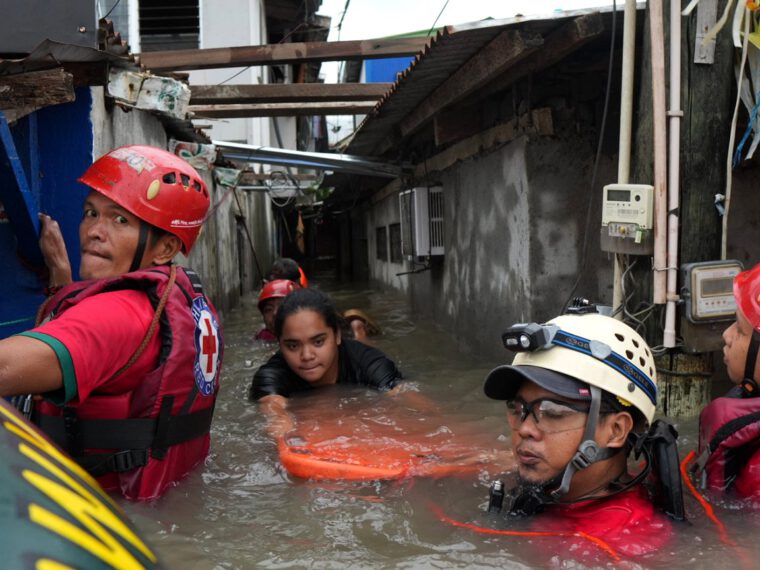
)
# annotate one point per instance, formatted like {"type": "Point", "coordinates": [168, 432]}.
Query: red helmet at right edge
{"type": "Point", "coordinates": [156, 186]}
{"type": "Point", "coordinates": [747, 294]}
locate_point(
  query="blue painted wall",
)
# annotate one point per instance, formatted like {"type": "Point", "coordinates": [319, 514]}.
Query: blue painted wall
{"type": "Point", "coordinates": [385, 70]}
{"type": "Point", "coordinates": [63, 139]}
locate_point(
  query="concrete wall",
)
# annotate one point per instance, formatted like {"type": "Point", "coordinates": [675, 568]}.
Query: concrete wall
{"type": "Point", "coordinates": [514, 226]}
{"type": "Point", "coordinates": [223, 255]}
{"type": "Point", "coordinates": [114, 126]}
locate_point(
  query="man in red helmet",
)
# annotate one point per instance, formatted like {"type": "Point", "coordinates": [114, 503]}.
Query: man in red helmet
{"type": "Point", "coordinates": [729, 427]}
{"type": "Point", "coordinates": [270, 297]}
{"type": "Point", "coordinates": [126, 362]}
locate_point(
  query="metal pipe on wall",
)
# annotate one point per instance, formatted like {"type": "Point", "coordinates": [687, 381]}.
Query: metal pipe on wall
{"type": "Point", "coordinates": [626, 114]}
{"type": "Point", "coordinates": [657, 36]}
{"type": "Point", "coordinates": [674, 150]}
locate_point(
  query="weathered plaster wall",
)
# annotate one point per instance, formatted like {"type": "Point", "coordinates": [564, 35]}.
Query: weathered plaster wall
{"type": "Point", "coordinates": [114, 127]}
{"type": "Point", "coordinates": [559, 174]}
{"type": "Point", "coordinates": [223, 256]}
{"type": "Point", "coordinates": [514, 226]}
{"type": "Point", "coordinates": [483, 281]}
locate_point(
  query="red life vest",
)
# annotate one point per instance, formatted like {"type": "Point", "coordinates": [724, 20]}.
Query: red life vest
{"type": "Point", "coordinates": [729, 436]}
{"type": "Point", "coordinates": [142, 441]}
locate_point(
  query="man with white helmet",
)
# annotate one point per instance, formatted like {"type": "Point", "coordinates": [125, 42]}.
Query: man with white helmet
{"type": "Point", "coordinates": [581, 395]}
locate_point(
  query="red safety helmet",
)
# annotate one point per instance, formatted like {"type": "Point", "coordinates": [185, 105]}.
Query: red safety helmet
{"type": "Point", "coordinates": [276, 289]}
{"type": "Point", "coordinates": [156, 186]}
{"type": "Point", "coordinates": [747, 295]}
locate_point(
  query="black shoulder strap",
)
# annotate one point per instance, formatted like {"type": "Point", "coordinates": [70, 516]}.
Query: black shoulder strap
{"type": "Point", "coordinates": [133, 438]}
{"type": "Point", "coordinates": [726, 430]}
{"type": "Point", "coordinates": [194, 279]}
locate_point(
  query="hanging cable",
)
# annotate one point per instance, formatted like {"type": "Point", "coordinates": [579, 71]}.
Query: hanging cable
{"type": "Point", "coordinates": [248, 234]}
{"type": "Point", "coordinates": [430, 31]}
{"type": "Point", "coordinates": [112, 9]}
{"type": "Point", "coordinates": [602, 128]}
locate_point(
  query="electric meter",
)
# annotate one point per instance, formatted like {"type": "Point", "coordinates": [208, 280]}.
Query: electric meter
{"type": "Point", "coordinates": [707, 294]}
{"type": "Point", "coordinates": [708, 290]}
{"type": "Point", "coordinates": [627, 219]}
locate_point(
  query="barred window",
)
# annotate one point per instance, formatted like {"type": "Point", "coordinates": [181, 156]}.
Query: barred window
{"type": "Point", "coordinates": [381, 243]}
{"type": "Point", "coordinates": [395, 235]}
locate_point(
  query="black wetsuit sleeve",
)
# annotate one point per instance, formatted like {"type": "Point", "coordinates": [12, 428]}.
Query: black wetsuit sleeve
{"type": "Point", "coordinates": [275, 378]}
{"type": "Point", "coordinates": [368, 366]}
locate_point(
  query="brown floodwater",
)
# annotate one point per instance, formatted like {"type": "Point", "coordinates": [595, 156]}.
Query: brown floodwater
{"type": "Point", "coordinates": [242, 510]}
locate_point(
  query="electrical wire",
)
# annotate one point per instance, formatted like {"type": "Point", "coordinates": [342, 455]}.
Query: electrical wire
{"type": "Point", "coordinates": [112, 9]}
{"type": "Point", "coordinates": [602, 128]}
{"type": "Point", "coordinates": [342, 16]}
{"type": "Point", "coordinates": [430, 31]}
{"type": "Point", "coordinates": [248, 234]}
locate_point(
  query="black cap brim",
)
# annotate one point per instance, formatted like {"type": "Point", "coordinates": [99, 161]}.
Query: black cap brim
{"type": "Point", "coordinates": [503, 382]}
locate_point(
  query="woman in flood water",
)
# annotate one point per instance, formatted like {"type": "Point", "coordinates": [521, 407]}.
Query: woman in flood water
{"type": "Point", "coordinates": [312, 355]}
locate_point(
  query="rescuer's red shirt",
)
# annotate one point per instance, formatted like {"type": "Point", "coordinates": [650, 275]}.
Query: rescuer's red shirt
{"type": "Point", "coordinates": [627, 522]}
{"type": "Point", "coordinates": [97, 337]}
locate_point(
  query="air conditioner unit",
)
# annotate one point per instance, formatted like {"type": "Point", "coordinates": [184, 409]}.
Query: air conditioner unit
{"type": "Point", "coordinates": [421, 211]}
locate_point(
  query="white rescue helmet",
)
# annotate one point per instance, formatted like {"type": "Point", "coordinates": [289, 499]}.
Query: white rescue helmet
{"type": "Point", "coordinates": [594, 349]}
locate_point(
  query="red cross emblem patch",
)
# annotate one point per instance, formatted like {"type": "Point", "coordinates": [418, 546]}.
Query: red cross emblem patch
{"type": "Point", "coordinates": [208, 347]}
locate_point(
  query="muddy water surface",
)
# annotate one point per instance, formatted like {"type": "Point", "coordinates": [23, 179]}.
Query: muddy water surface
{"type": "Point", "coordinates": [241, 510]}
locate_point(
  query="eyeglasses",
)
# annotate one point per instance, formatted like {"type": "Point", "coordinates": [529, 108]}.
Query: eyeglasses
{"type": "Point", "coordinates": [551, 416]}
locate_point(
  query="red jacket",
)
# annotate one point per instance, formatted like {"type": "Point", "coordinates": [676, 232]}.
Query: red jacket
{"type": "Point", "coordinates": [627, 522]}
{"type": "Point", "coordinates": [142, 441]}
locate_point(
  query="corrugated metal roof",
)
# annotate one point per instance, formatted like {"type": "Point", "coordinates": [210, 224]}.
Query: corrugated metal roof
{"type": "Point", "coordinates": [447, 52]}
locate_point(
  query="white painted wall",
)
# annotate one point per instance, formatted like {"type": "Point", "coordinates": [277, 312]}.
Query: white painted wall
{"type": "Point", "coordinates": [230, 23]}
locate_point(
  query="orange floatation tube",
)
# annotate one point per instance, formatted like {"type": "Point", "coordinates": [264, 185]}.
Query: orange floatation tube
{"type": "Point", "coordinates": [365, 463]}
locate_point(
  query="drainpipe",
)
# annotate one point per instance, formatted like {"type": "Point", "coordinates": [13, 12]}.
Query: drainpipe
{"type": "Point", "coordinates": [626, 113]}
{"type": "Point", "coordinates": [674, 150]}
{"type": "Point", "coordinates": [660, 150]}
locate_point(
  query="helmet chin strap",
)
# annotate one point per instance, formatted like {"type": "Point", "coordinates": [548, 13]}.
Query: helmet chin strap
{"type": "Point", "coordinates": [142, 242]}
{"type": "Point", "coordinates": [588, 452]}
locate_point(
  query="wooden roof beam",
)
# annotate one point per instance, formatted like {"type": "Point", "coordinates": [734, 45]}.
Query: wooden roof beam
{"type": "Point", "coordinates": [24, 93]}
{"type": "Point", "coordinates": [507, 49]}
{"type": "Point", "coordinates": [286, 93]}
{"type": "Point", "coordinates": [557, 46]}
{"type": "Point", "coordinates": [282, 109]}
{"type": "Point", "coordinates": [276, 54]}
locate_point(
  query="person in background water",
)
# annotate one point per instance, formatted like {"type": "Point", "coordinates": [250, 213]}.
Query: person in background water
{"type": "Point", "coordinates": [286, 268]}
{"type": "Point", "coordinates": [729, 432]}
{"type": "Point", "coordinates": [313, 354]}
{"type": "Point", "coordinates": [127, 362]}
{"type": "Point", "coordinates": [580, 394]}
{"type": "Point", "coordinates": [270, 297]}
{"type": "Point", "coordinates": [360, 326]}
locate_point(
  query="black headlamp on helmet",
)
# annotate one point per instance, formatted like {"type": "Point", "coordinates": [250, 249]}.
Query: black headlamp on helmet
{"type": "Point", "coordinates": [528, 337]}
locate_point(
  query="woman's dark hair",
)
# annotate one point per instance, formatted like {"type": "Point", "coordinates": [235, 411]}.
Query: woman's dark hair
{"type": "Point", "coordinates": [307, 299]}
{"type": "Point", "coordinates": [285, 268]}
